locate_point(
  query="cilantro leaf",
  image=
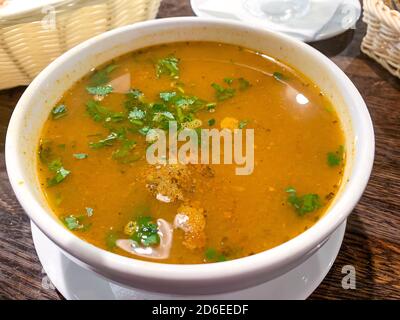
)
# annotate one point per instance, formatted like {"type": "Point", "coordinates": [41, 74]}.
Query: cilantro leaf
{"type": "Point", "coordinates": [89, 211]}
{"type": "Point", "coordinates": [45, 151]}
{"type": "Point", "coordinates": [100, 90]}
{"type": "Point", "coordinates": [58, 111]}
{"type": "Point", "coordinates": [228, 80]}
{"type": "Point", "coordinates": [167, 96]}
{"type": "Point", "coordinates": [243, 123]}
{"type": "Point", "coordinates": [108, 141]}
{"type": "Point", "coordinates": [335, 158]}
{"type": "Point", "coordinates": [60, 173]}
{"type": "Point", "coordinates": [76, 223]}
{"type": "Point", "coordinates": [136, 114]}
{"type": "Point", "coordinates": [168, 66]}
{"type": "Point", "coordinates": [279, 76]}
{"type": "Point", "coordinates": [100, 113]}
{"type": "Point", "coordinates": [243, 84]}
{"type": "Point", "coordinates": [101, 77]}
{"type": "Point", "coordinates": [111, 240]}
{"type": "Point", "coordinates": [80, 156]}
{"type": "Point", "coordinates": [146, 232]}
{"type": "Point", "coordinates": [212, 255]}
{"type": "Point", "coordinates": [221, 93]}
{"type": "Point", "coordinates": [303, 204]}
{"type": "Point", "coordinates": [124, 151]}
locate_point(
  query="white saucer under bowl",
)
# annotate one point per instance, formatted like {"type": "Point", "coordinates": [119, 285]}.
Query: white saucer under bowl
{"type": "Point", "coordinates": [76, 283]}
{"type": "Point", "coordinates": [343, 18]}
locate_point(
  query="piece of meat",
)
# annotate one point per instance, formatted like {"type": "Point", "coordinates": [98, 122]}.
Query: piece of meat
{"type": "Point", "coordinates": [190, 218]}
{"type": "Point", "coordinates": [169, 183]}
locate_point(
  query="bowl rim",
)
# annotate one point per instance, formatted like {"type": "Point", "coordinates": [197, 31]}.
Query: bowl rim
{"type": "Point", "coordinates": [261, 262]}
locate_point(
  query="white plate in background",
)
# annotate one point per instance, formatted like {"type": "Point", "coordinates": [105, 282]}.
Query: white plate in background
{"type": "Point", "coordinates": [345, 17]}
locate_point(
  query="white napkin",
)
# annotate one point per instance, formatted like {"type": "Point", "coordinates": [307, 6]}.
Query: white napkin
{"type": "Point", "coordinates": [307, 27]}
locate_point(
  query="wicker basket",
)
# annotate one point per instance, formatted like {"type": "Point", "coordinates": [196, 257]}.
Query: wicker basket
{"type": "Point", "coordinates": [382, 41]}
{"type": "Point", "coordinates": [31, 40]}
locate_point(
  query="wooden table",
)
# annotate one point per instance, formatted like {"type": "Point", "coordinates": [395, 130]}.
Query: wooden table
{"type": "Point", "coordinates": [372, 240]}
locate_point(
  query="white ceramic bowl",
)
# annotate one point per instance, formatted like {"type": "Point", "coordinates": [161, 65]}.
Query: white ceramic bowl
{"type": "Point", "coordinates": [35, 104]}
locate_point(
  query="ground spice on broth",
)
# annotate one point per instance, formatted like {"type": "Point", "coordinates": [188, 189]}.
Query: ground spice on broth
{"type": "Point", "coordinates": [95, 177]}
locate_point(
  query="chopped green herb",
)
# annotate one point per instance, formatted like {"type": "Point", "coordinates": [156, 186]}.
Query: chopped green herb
{"type": "Point", "coordinates": [124, 150]}
{"type": "Point", "coordinates": [58, 111]}
{"type": "Point", "coordinates": [59, 199]}
{"type": "Point", "coordinates": [60, 173]}
{"type": "Point", "coordinates": [80, 156]}
{"type": "Point", "coordinates": [100, 113]}
{"type": "Point", "coordinates": [279, 76]}
{"type": "Point", "coordinates": [108, 141]}
{"type": "Point", "coordinates": [211, 106]}
{"type": "Point", "coordinates": [303, 204]}
{"type": "Point", "coordinates": [75, 223]}
{"type": "Point", "coordinates": [167, 96]}
{"type": "Point", "coordinates": [135, 94]}
{"type": "Point", "coordinates": [72, 223]}
{"type": "Point", "coordinates": [163, 115]}
{"type": "Point", "coordinates": [111, 240]}
{"type": "Point", "coordinates": [211, 122]}
{"type": "Point", "coordinates": [222, 93]}
{"type": "Point", "coordinates": [168, 66]}
{"type": "Point", "coordinates": [102, 77]}
{"type": "Point", "coordinates": [228, 80]}
{"type": "Point", "coordinates": [243, 84]}
{"type": "Point", "coordinates": [100, 90]}
{"type": "Point", "coordinates": [335, 158]}
{"type": "Point", "coordinates": [45, 151]}
{"type": "Point", "coordinates": [136, 114]}
{"type": "Point", "coordinates": [213, 255]}
{"type": "Point", "coordinates": [243, 123]}
{"type": "Point", "coordinates": [89, 211]}
{"type": "Point", "coordinates": [146, 232]}
{"type": "Point", "coordinates": [144, 130]}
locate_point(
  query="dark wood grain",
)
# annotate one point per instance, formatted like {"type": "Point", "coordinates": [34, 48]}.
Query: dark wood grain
{"type": "Point", "coordinates": [372, 240]}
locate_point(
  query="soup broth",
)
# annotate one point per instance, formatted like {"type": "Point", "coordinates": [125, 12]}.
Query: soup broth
{"type": "Point", "coordinates": [92, 154]}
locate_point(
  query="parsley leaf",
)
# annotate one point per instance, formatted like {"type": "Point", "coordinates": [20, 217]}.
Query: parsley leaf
{"type": "Point", "coordinates": [100, 90]}
{"type": "Point", "coordinates": [167, 96]}
{"type": "Point", "coordinates": [146, 232]}
{"type": "Point", "coordinates": [111, 240]}
{"type": "Point", "coordinates": [243, 84]}
{"type": "Point", "coordinates": [335, 158]}
{"type": "Point", "coordinates": [213, 255]}
{"type": "Point", "coordinates": [76, 223]}
{"type": "Point", "coordinates": [168, 66]}
{"type": "Point", "coordinates": [58, 111]}
{"type": "Point", "coordinates": [101, 77]}
{"type": "Point", "coordinates": [124, 150]}
{"type": "Point", "coordinates": [243, 123]}
{"type": "Point", "coordinates": [211, 122]}
{"type": "Point", "coordinates": [136, 114]}
{"type": "Point", "coordinates": [222, 93]}
{"type": "Point", "coordinates": [89, 211]}
{"type": "Point", "coordinates": [228, 80]}
{"type": "Point", "coordinates": [106, 142]}
{"type": "Point", "coordinates": [303, 204]}
{"type": "Point", "coordinates": [45, 152]}
{"type": "Point", "coordinates": [60, 173]}
{"type": "Point", "coordinates": [279, 76]}
{"type": "Point", "coordinates": [80, 156]}
{"type": "Point", "coordinates": [100, 113]}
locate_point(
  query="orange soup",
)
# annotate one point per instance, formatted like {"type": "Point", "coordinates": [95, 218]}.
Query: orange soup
{"type": "Point", "coordinates": [96, 177]}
